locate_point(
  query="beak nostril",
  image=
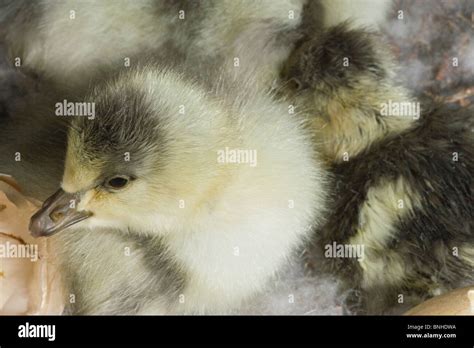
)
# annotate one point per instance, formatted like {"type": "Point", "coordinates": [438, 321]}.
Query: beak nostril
{"type": "Point", "coordinates": [56, 216]}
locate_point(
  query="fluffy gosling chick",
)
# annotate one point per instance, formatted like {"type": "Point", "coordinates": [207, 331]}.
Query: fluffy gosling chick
{"type": "Point", "coordinates": [402, 210]}
{"type": "Point", "coordinates": [74, 43]}
{"type": "Point", "coordinates": [180, 199]}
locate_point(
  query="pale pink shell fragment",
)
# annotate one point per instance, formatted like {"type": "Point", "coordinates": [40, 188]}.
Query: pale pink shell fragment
{"type": "Point", "coordinates": [29, 280]}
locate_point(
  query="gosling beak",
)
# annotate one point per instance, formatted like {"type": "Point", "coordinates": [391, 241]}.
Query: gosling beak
{"type": "Point", "coordinates": [57, 213]}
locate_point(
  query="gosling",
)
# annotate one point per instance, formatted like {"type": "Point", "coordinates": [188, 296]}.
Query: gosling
{"type": "Point", "coordinates": [73, 44]}
{"type": "Point", "coordinates": [180, 198]}
{"type": "Point", "coordinates": [402, 174]}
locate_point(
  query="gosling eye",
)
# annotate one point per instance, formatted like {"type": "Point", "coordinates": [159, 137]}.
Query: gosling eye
{"type": "Point", "coordinates": [295, 84]}
{"type": "Point", "coordinates": [117, 182]}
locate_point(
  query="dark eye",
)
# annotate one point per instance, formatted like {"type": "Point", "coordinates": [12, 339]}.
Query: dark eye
{"type": "Point", "coordinates": [295, 84]}
{"type": "Point", "coordinates": [117, 182]}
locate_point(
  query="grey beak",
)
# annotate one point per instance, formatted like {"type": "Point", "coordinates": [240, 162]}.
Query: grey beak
{"type": "Point", "coordinates": [57, 213]}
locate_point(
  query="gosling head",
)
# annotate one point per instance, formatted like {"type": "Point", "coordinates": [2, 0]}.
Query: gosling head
{"type": "Point", "coordinates": [137, 165]}
{"type": "Point", "coordinates": [337, 58]}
